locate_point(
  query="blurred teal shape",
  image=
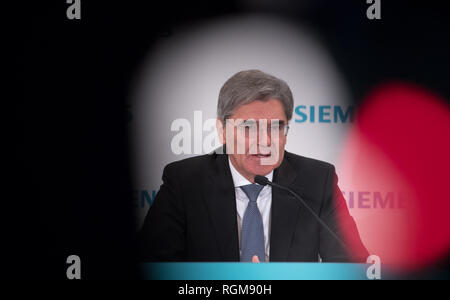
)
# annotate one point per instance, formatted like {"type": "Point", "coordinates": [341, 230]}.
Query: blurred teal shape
{"type": "Point", "coordinates": [253, 271]}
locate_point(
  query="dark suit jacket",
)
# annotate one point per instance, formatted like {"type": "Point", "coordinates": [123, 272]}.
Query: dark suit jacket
{"type": "Point", "coordinates": [194, 218]}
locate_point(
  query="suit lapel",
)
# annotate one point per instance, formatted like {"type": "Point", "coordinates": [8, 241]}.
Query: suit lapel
{"type": "Point", "coordinates": [221, 202]}
{"type": "Point", "coordinates": [285, 211]}
{"type": "Point", "coordinates": [220, 199]}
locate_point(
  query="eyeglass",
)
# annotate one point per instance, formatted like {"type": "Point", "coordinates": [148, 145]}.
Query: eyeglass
{"type": "Point", "coordinates": [252, 126]}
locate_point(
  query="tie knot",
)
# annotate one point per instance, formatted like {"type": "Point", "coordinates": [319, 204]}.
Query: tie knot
{"type": "Point", "coordinates": [252, 191]}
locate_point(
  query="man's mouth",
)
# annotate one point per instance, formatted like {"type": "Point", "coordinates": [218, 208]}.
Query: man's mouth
{"type": "Point", "coordinates": [260, 155]}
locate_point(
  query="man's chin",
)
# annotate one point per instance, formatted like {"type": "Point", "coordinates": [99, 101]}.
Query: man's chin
{"type": "Point", "coordinates": [261, 170]}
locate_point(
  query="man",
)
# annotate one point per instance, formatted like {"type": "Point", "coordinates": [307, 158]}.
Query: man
{"type": "Point", "coordinates": [210, 209]}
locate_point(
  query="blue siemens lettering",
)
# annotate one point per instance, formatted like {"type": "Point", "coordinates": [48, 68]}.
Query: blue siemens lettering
{"type": "Point", "coordinates": [143, 197]}
{"type": "Point", "coordinates": [325, 114]}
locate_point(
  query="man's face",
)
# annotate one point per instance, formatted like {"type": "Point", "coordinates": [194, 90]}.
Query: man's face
{"type": "Point", "coordinates": [255, 137]}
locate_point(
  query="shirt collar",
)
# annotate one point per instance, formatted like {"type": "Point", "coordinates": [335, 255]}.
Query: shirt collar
{"type": "Point", "coordinates": [240, 180]}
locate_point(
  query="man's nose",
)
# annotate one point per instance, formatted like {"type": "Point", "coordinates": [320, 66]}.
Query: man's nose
{"type": "Point", "coordinates": [264, 137]}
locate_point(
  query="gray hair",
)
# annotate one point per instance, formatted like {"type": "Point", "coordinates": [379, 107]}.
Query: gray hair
{"type": "Point", "coordinates": [250, 85]}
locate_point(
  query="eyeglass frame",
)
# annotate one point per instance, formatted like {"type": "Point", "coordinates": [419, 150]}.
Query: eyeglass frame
{"type": "Point", "coordinates": [244, 125]}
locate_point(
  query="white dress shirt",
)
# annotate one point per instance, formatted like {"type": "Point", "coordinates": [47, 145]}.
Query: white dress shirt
{"type": "Point", "coordinates": [264, 203]}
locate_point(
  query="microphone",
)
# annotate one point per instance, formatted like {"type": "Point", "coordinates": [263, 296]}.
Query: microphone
{"type": "Point", "coordinates": [264, 181]}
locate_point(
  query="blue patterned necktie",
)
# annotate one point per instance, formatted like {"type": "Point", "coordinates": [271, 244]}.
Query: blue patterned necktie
{"type": "Point", "coordinates": [252, 233]}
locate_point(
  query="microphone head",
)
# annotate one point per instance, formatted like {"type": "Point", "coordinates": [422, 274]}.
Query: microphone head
{"type": "Point", "coordinates": [261, 180]}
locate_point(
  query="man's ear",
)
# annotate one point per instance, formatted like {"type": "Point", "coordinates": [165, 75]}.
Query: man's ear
{"type": "Point", "coordinates": [220, 126]}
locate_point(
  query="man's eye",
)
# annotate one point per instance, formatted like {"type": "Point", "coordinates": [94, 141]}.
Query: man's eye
{"type": "Point", "coordinates": [250, 126]}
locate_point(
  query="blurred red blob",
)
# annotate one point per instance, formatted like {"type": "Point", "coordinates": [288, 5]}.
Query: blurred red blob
{"type": "Point", "coordinates": [397, 163]}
